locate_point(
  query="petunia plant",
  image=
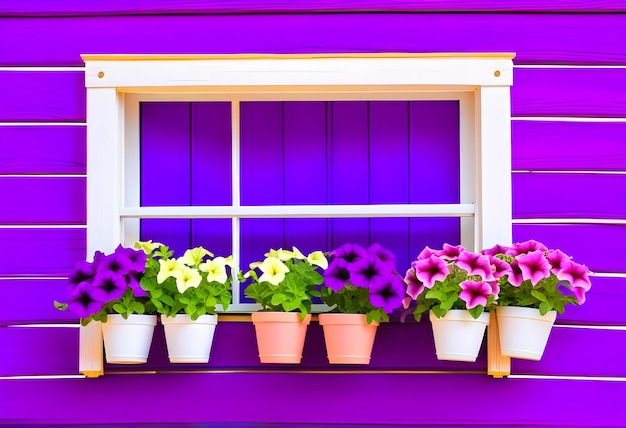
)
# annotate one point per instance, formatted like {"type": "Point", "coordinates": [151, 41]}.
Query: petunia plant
{"type": "Point", "coordinates": [452, 278]}
{"type": "Point", "coordinates": [363, 281]}
{"type": "Point", "coordinates": [193, 284]}
{"type": "Point", "coordinates": [107, 285]}
{"type": "Point", "coordinates": [285, 281]}
{"type": "Point", "coordinates": [531, 275]}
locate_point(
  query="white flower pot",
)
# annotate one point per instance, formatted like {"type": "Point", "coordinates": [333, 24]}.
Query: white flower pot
{"type": "Point", "coordinates": [127, 341]}
{"type": "Point", "coordinates": [524, 332]}
{"type": "Point", "coordinates": [457, 335]}
{"type": "Point", "coordinates": [189, 341]}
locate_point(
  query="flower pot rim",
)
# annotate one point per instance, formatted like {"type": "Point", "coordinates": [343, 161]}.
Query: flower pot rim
{"type": "Point", "coordinates": [132, 319]}
{"type": "Point", "coordinates": [344, 319]}
{"type": "Point", "coordinates": [524, 312]}
{"type": "Point", "coordinates": [276, 316]}
{"type": "Point", "coordinates": [460, 315]}
{"type": "Point", "coordinates": [185, 319]}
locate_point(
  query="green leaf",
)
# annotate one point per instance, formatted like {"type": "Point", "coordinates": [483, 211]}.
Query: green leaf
{"type": "Point", "coordinates": [538, 295]}
{"type": "Point", "coordinates": [545, 307]}
{"type": "Point", "coordinates": [60, 306]}
{"type": "Point", "coordinates": [278, 299]}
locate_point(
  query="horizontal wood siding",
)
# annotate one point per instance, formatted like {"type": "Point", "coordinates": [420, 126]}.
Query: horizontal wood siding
{"type": "Point", "coordinates": [64, 247]}
{"type": "Point", "coordinates": [42, 200]}
{"type": "Point", "coordinates": [79, 400]}
{"type": "Point", "coordinates": [43, 149]}
{"type": "Point", "coordinates": [42, 96]}
{"type": "Point", "coordinates": [568, 146]}
{"type": "Point", "coordinates": [158, 7]}
{"type": "Point", "coordinates": [535, 38]}
{"type": "Point", "coordinates": [545, 195]}
{"type": "Point", "coordinates": [581, 241]}
{"type": "Point", "coordinates": [570, 165]}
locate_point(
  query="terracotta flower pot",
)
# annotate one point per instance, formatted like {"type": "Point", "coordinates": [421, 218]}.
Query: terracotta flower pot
{"type": "Point", "coordinates": [127, 341]}
{"type": "Point", "coordinates": [457, 335]}
{"type": "Point", "coordinates": [189, 341]}
{"type": "Point", "coordinates": [280, 336]}
{"type": "Point", "coordinates": [523, 332]}
{"type": "Point", "coordinates": [349, 338]}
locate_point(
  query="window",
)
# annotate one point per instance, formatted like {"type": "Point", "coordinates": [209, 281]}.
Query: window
{"type": "Point", "coordinates": [119, 86]}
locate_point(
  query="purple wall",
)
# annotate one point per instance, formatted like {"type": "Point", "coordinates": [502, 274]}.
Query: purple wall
{"type": "Point", "coordinates": [568, 126]}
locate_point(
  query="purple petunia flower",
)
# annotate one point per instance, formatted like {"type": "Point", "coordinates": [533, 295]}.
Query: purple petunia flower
{"type": "Point", "coordinates": [383, 255]}
{"type": "Point", "coordinates": [430, 270]}
{"type": "Point", "coordinates": [526, 247]}
{"type": "Point", "coordinates": [413, 285]}
{"type": "Point", "coordinates": [83, 272]}
{"type": "Point", "coordinates": [387, 292]}
{"type": "Point", "coordinates": [366, 271]}
{"type": "Point", "coordinates": [451, 252]}
{"type": "Point", "coordinates": [475, 264]}
{"type": "Point", "coordinates": [499, 267]}
{"type": "Point", "coordinates": [515, 277]}
{"type": "Point", "coordinates": [427, 252]}
{"type": "Point", "coordinates": [133, 282]}
{"type": "Point", "coordinates": [475, 293]}
{"type": "Point", "coordinates": [496, 249]}
{"type": "Point", "coordinates": [83, 302]}
{"type": "Point", "coordinates": [351, 253]}
{"type": "Point", "coordinates": [137, 258]}
{"type": "Point", "coordinates": [557, 260]}
{"type": "Point", "coordinates": [337, 274]}
{"type": "Point", "coordinates": [117, 263]}
{"type": "Point", "coordinates": [534, 266]}
{"type": "Point", "coordinates": [576, 275]}
{"type": "Point", "coordinates": [108, 286]}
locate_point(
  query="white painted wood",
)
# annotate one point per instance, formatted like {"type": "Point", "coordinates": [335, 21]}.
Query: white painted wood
{"type": "Point", "coordinates": [104, 169]}
{"type": "Point", "coordinates": [302, 211]}
{"type": "Point", "coordinates": [305, 71]}
{"type": "Point", "coordinates": [493, 198]}
{"type": "Point", "coordinates": [235, 115]}
{"type": "Point", "coordinates": [131, 180]}
{"type": "Point", "coordinates": [468, 146]}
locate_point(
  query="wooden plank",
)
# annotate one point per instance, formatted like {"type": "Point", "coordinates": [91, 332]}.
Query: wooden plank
{"type": "Point", "coordinates": [305, 172]}
{"type": "Point", "coordinates": [575, 92]}
{"type": "Point", "coordinates": [38, 350]}
{"type": "Point", "coordinates": [86, 401]}
{"type": "Point", "coordinates": [575, 352]}
{"type": "Point", "coordinates": [42, 200]}
{"type": "Point", "coordinates": [43, 96]}
{"type": "Point", "coordinates": [43, 150]}
{"type": "Point", "coordinates": [389, 174]}
{"type": "Point", "coordinates": [158, 7]}
{"type": "Point", "coordinates": [568, 146]}
{"type": "Point", "coordinates": [348, 138]}
{"type": "Point", "coordinates": [211, 173]}
{"type": "Point", "coordinates": [548, 195]}
{"type": "Point", "coordinates": [603, 294]}
{"type": "Point", "coordinates": [66, 247]}
{"type": "Point", "coordinates": [165, 161]}
{"type": "Point", "coordinates": [34, 301]}
{"type": "Point", "coordinates": [536, 38]}
{"type": "Point", "coordinates": [581, 241]}
{"type": "Point", "coordinates": [261, 178]}
{"type": "Point", "coordinates": [433, 152]}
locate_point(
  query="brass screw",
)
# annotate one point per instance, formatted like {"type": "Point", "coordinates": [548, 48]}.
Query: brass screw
{"type": "Point", "coordinates": [101, 74]}
{"type": "Point", "coordinates": [496, 73]}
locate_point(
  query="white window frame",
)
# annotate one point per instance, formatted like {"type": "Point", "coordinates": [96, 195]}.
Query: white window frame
{"type": "Point", "coordinates": [116, 84]}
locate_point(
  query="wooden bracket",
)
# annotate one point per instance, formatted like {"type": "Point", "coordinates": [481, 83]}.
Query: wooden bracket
{"type": "Point", "coordinates": [91, 354]}
{"type": "Point", "coordinates": [498, 365]}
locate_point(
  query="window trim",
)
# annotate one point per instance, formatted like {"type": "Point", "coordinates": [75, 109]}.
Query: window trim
{"type": "Point", "coordinates": [116, 84]}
